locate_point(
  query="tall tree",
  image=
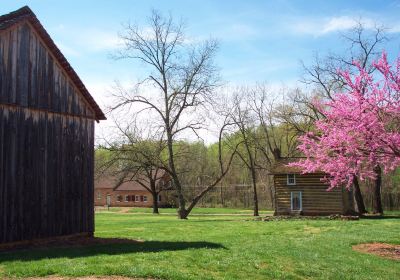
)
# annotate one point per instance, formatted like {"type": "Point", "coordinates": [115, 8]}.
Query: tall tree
{"type": "Point", "coordinates": [242, 117]}
{"type": "Point", "coordinates": [364, 45]}
{"type": "Point", "coordinates": [276, 136]}
{"type": "Point", "coordinates": [360, 135]}
{"type": "Point", "coordinates": [258, 131]}
{"type": "Point", "coordinates": [182, 78]}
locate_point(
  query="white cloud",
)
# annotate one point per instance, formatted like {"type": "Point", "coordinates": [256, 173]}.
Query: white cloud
{"type": "Point", "coordinates": [72, 38]}
{"type": "Point", "coordinates": [67, 50]}
{"type": "Point", "coordinates": [341, 23]}
{"type": "Point", "coordinates": [318, 27]}
{"type": "Point", "coordinates": [395, 28]}
{"type": "Point", "coordinates": [99, 40]}
{"type": "Point", "coordinates": [236, 32]}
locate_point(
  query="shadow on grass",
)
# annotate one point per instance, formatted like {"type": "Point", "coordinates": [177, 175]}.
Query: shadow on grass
{"type": "Point", "coordinates": [102, 247]}
{"type": "Point", "coordinates": [379, 217]}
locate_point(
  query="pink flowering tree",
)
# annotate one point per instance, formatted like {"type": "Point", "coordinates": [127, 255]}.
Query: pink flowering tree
{"type": "Point", "coordinates": [360, 136]}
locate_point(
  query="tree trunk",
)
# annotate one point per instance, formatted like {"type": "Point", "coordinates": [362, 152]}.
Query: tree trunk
{"type": "Point", "coordinates": [358, 197]}
{"type": "Point", "coordinates": [183, 213]}
{"type": "Point", "coordinates": [181, 210]}
{"type": "Point", "coordinates": [255, 197]}
{"type": "Point", "coordinates": [222, 196]}
{"type": "Point", "coordinates": [378, 209]}
{"type": "Point", "coordinates": [155, 203]}
{"type": "Point", "coordinates": [177, 184]}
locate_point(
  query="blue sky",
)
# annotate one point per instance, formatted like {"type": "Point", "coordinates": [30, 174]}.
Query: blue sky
{"type": "Point", "coordinates": [259, 40]}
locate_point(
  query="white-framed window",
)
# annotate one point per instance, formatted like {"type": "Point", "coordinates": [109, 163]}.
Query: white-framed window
{"type": "Point", "coordinates": [291, 179]}
{"type": "Point", "coordinates": [137, 198]}
{"type": "Point", "coordinates": [126, 198]}
{"type": "Point", "coordinates": [98, 195]}
{"type": "Point", "coordinates": [296, 201]}
{"type": "Point", "coordinates": [159, 198]}
{"type": "Point", "coordinates": [145, 198]}
{"type": "Point", "coordinates": [119, 198]}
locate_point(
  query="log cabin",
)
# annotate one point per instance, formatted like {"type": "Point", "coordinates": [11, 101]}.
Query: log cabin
{"type": "Point", "coordinates": [47, 119]}
{"type": "Point", "coordinates": [307, 194]}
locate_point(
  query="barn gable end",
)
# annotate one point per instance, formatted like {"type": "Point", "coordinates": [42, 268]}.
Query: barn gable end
{"type": "Point", "coordinates": [34, 73]}
{"type": "Point", "coordinates": [46, 136]}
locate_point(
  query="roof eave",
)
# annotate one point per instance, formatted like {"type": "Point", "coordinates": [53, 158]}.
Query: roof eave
{"type": "Point", "coordinates": [25, 13]}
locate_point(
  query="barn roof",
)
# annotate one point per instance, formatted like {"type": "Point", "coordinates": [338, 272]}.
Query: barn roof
{"type": "Point", "coordinates": [25, 13]}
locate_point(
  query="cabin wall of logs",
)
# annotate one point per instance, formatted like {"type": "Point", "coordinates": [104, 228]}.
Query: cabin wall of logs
{"type": "Point", "coordinates": [316, 199]}
{"type": "Point", "coordinates": [46, 143]}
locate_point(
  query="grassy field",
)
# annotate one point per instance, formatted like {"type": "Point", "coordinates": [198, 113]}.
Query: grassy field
{"type": "Point", "coordinates": [195, 211]}
{"type": "Point", "coordinates": [217, 247]}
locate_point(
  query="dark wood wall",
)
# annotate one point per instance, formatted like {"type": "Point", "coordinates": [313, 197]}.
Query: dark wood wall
{"type": "Point", "coordinates": [46, 143]}
{"type": "Point", "coordinates": [315, 197]}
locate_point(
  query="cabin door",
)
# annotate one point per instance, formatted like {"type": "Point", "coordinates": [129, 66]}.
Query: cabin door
{"type": "Point", "coordinates": [296, 201]}
{"type": "Point", "coordinates": [108, 200]}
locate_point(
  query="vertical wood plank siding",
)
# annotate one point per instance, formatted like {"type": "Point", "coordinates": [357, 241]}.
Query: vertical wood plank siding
{"type": "Point", "coordinates": [46, 143]}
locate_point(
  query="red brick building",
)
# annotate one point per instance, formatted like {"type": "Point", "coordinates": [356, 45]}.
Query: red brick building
{"type": "Point", "coordinates": [129, 194]}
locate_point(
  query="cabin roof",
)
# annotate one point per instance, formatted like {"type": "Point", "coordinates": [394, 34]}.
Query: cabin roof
{"type": "Point", "coordinates": [25, 13]}
{"type": "Point", "coordinates": [281, 166]}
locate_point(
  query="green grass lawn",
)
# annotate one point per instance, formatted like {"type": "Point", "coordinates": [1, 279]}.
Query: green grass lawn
{"type": "Point", "coordinates": [218, 247]}
{"type": "Point", "coordinates": [199, 211]}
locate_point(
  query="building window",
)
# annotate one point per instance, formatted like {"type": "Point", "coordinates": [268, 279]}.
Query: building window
{"type": "Point", "coordinates": [291, 179]}
{"type": "Point", "coordinates": [296, 201]}
{"type": "Point", "coordinates": [119, 198]}
{"type": "Point", "coordinates": [145, 198]}
{"type": "Point", "coordinates": [159, 198]}
{"type": "Point", "coordinates": [126, 198]}
{"type": "Point", "coordinates": [137, 198]}
{"type": "Point", "coordinates": [98, 195]}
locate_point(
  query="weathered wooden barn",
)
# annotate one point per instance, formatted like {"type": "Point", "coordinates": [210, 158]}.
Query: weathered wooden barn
{"type": "Point", "coordinates": [306, 194]}
{"type": "Point", "coordinates": [46, 136]}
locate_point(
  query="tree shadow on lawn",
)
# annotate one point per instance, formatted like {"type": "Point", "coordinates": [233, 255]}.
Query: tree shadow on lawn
{"type": "Point", "coordinates": [100, 246]}
{"type": "Point", "coordinates": [380, 217]}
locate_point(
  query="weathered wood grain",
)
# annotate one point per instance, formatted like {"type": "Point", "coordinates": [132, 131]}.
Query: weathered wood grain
{"type": "Point", "coordinates": [46, 143]}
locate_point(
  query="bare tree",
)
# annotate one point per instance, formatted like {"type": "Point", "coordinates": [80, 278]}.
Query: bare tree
{"type": "Point", "coordinates": [276, 136]}
{"type": "Point", "coordinates": [242, 117]}
{"type": "Point", "coordinates": [364, 46]}
{"type": "Point", "coordinates": [259, 131]}
{"type": "Point", "coordinates": [182, 79]}
{"type": "Point", "coordinates": [136, 155]}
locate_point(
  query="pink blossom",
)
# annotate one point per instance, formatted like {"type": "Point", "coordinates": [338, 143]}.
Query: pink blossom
{"type": "Point", "coordinates": [361, 128]}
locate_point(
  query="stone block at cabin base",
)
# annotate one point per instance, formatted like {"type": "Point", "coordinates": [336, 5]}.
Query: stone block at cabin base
{"type": "Point", "coordinates": [300, 217]}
